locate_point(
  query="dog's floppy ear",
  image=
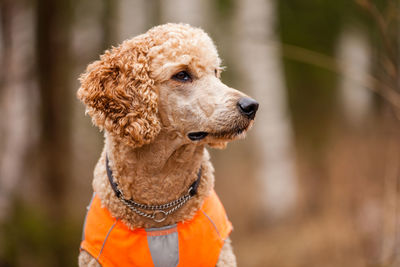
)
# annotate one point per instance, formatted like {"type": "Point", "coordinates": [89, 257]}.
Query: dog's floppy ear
{"type": "Point", "coordinates": [119, 94]}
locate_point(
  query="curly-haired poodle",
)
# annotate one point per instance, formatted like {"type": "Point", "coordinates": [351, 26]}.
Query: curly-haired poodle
{"type": "Point", "coordinates": [159, 99]}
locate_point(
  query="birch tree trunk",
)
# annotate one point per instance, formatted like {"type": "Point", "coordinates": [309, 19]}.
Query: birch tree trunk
{"type": "Point", "coordinates": [133, 18]}
{"type": "Point", "coordinates": [354, 57]}
{"type": "Point", "coordinates": [194, 12]}
{"type": "Point", "coordinates": [18, 100]}
{"type": "Point", "coordinates": [261, 66]}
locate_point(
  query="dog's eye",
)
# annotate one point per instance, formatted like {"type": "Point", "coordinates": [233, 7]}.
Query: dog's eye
{"type": "Point", "coordinates": [216, 73]}
{"type": "Point", "coordinates": [182, 76]}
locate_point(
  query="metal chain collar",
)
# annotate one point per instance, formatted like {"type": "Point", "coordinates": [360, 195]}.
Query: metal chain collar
{"type": "Point", "coordinates": [159, 213]}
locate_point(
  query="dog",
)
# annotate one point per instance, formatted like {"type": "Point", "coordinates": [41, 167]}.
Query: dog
{"type": "Point", "coordinates": [159, 99]}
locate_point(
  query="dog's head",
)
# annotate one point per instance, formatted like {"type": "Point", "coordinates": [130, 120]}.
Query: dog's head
{"type": "Point", "coordinates": [166, 78]}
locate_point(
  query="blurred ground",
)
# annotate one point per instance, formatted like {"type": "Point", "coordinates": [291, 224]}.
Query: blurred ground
{"type": "Point", "coordinates": [347, 214]}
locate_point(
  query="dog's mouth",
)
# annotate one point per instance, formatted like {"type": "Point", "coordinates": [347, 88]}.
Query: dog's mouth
{"type": "Point", "coordinates": [197, 136]}
{"type": "Point", "coordinates": [226, 135]}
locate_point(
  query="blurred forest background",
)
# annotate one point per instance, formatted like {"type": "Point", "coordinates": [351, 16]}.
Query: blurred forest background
{"type": "Point", "coordinates": [317, 181]}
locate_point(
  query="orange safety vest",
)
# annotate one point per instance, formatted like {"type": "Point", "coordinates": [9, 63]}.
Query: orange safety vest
{"type": "Point", "coordinates": [197, 242]}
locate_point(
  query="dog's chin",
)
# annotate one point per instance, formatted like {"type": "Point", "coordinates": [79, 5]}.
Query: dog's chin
{"type": "Point", "coordinates": [218, 145]}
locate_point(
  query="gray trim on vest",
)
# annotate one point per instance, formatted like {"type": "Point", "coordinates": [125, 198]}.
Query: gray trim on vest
{"type": "Point", "coordinates": [213, 224]}
{"type": "Point", "coordinates": [105, 239]}
{"type": "Point", "coordinates": [164, 247]}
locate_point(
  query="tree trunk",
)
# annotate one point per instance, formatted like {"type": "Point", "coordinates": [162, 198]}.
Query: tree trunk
{"type": "Point", "coordinates": [133, 18]}
{"type": "Point", "coordinates": [259, 54]}
{"type": "Point", "coordinates": [18, 100]}
{"type": "Point", "coordinates": [53, 59]}
{"type": "Point", "coordinates": [354, 57]}
{"type": "Point", "coordinates": [194, 12]}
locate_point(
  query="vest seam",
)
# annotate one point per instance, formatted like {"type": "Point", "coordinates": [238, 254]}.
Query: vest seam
{"type": "Point", "coordinates": [212, 222]}
{"type": "Point", "coordinates": [105, 239]}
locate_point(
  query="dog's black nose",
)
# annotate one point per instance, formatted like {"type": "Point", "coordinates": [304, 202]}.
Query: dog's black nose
{"type": "Point", "coordinates": [248, 107]}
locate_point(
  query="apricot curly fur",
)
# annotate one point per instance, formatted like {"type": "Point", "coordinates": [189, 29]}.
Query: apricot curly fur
{"type": "Point", "coordinates": [120, 95]}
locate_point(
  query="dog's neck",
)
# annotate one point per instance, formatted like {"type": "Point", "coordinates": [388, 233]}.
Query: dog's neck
{"type": "Point", "coordinates": [156, 173]}
{"type": "Point", "coordinates": [153, 174]}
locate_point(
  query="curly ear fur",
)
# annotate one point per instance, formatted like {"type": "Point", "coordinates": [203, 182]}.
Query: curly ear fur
{"type": "Point", "coordinates": [119, 94]}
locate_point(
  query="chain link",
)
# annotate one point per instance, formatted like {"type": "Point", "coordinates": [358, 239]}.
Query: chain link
{"type": "Point", "coordinates": [157, 209]}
